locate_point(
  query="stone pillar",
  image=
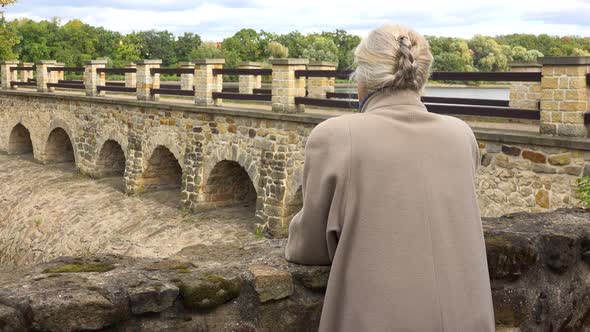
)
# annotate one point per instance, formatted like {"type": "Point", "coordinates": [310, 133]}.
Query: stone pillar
{"type": "Point", "coordinates": [145, 80]}
{"type": "Point", "coordinates": [131, 78]}
{"type": "Point", "coordinates": [285, 87]}
{"type": "Point", "coordinates": [525, 95]}
{"type": "Point", "coordinates": [7, 74]}
{"type": "Point", "coordinates": [564, 95]}
{"type": "Point", "coordinates": [43, 76]}
{"type": "Point", "coordinates": [25, 75]}
{"type": "Point", "coordinates": [318, 87]}
{"type": "Point", "coordinates": [92, 78]}
{"type": "Point", "coordinates": [206, 83]}
{"type": "Point", "coordinates": [187, 81]}
{"type": "Point", "coordinates": [247, 83]}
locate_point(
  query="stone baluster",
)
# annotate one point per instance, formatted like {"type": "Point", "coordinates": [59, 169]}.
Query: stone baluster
{"type": "Point", "coordinates": [187, 81]}
{"type": "Point", "coordinates": [285, 86]}
{"type": "Point", "coordinates": [92, 78]}
{"type": "Point", "coordinates": [247, 83]}
{"type": "Point", "coordinates": [146, 81]}
{"type": "Point", "coordinates": [564, 96]}
{"type": "Point", "coordinates": [7, 73]}
{"type": "Point", "coordinates": [43, 76]}
{"type": "Point", "coordinates": [206, 83]}
{"type": "Point", "coordinates": [131, 78]}
{"type": "Point", "coordinates": [318, 87]}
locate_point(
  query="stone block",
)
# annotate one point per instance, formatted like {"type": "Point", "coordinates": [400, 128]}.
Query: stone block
{"type": "Point", "coordinates": [271, 283]}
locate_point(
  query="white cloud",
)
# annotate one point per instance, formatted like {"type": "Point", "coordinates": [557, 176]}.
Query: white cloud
{"type": "Point", "coordinates": [215, 20]}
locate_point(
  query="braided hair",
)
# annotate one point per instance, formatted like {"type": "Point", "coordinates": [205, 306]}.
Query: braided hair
{"type": "Point", "coordinates": [392, 58]}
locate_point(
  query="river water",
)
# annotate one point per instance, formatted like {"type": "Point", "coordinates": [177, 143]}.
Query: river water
{"type": "Point", "coordinates": [501, 93]}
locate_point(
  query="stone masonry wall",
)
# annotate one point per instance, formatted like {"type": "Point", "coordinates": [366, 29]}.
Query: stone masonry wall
{"type": "Point", "coordinates": [523, 177]}
{"type": "Point", "coordinates": [270, 149]}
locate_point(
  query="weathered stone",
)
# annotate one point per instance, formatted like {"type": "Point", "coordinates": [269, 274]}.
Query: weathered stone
{"type": "Point", "coordinates": [561, 159]}
{"type": "Point", "coordinates": [509, 256]}
{"type": "Point", "coordinates": [315, 278]}
{"type": "Point", "coordinates": [153, 297]}
{"type": "Point", "coordinates": [542, 198]}
{"type": "Point", "coordinates": [271, 283]}
{"type": "Point", "coordinates": [11, 320]}
{"type": "Point", "coordinates": [558, 251]}
{"type": "Point", "coordinates": [573, 170]}
{"type": "Point", "coordinates": [208, 292]}
{"type": "Point", "coordinates": [510, 306]}
{"type": "Point", "coordinates": [486, 160]}
{"type": "Point", "coordinates": [511, 150]}
{"type": "Point", "coordinates": [541, 168]}
{"type": "Point", "coordinates": [586, 170]}
{"type": "Point", "coordinates": [534, 156]}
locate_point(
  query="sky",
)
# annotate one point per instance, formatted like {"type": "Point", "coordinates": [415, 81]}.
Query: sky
{"type": "Point", "coordinates": [215, 20]}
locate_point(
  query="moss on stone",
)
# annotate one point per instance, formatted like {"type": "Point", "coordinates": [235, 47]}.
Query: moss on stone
{"type": "Point", "coordinates": [209, 292]}
{"type": "Point", "coordinates": [81, 268]}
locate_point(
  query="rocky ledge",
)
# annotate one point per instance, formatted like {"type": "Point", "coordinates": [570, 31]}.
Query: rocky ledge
{"type": "Point", "coordinates": [539, 265]}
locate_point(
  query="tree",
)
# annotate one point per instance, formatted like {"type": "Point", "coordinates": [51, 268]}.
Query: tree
{"type": "Point", "coordinates": [242, 46]}
{"type": "Point", "coordinates": [6, 2]}
{"type": "Point", "coordinates": [8, 41]}
{"type": "Point", "coordinates": [186, 44]}
{"type": "Point", "coordinates": [521, 54]}
{"type": "Point", "coordinates": [345, 44]}
{"type": "Point", "coordinates": [320, 49]}
{"type": "Point", "coordinates": [580, 52]}
{"type": "Point", "coordinates": [295, 42]}
{"type": "Point", "coordinates": [488, 54]}
{"type": "Point", "coordinates": [277, 50]}
{"type": "Point", "coordinates": [126, 51]}
{"type": "Point", "coordinates": [207, 51]}
{"type": "Point", "coordinates": [156, 45]}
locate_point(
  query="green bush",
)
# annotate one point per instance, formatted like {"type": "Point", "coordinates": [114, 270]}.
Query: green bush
{"type": "Point", "coordinates": [584, 190]}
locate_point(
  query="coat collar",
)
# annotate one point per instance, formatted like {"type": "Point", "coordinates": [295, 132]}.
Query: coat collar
{"type": "Point", "coordinates": [388, 99]}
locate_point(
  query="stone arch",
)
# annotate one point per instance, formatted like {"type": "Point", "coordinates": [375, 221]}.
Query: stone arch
{"type": "Point", "coordinates": [112, 135]}
{"type": "Point", "coordinates": [111, 160]}
{"type": "Point", "coordinates": [236, 154]}
{"type": "Point", "coordinates": [167, 138]}
{"type": "Point", "coordinates": [24, 121]}
{"type": "Point", "coordinates": [59, 147]}
{"type": "Point", "coordinates": [162, 170]}
{"type": "Point", "coordinates": [230, 177]}
{"type": "Point", "coordinates": [19, 141]}
{"type": "Point", "coordinates": [229, 184]}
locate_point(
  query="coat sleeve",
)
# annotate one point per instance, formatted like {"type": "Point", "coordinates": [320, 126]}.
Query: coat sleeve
{"type": "Point", "coordinates": [312, 238]}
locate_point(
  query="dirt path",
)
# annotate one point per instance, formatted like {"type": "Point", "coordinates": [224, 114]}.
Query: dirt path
{"type": "Point", "coordinates": [51, 211]}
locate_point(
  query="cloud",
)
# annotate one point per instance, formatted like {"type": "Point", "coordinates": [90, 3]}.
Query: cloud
{"type": "Point", "coordinates": [214, 20]}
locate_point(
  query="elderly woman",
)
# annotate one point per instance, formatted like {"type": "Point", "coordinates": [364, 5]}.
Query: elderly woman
{"type": "Point", "coordinates": [389, 200]}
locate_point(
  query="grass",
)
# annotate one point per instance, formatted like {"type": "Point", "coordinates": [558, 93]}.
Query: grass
{"type": "Point", "coordinates": [81, 268]}
{"type": "Point", "coordinates": [38, 221]}
{"type": "Point", "coordinates": [583, 190]}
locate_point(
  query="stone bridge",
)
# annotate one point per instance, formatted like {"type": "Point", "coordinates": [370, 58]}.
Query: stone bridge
{"type": "Point", "coordinates": [217, 155]}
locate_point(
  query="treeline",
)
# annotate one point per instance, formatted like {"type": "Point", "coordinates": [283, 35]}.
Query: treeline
{"type": "Point", "coordinates": [74, 42]}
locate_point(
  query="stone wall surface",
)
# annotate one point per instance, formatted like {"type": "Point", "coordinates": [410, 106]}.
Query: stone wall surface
{"type": "Point", "coordinates": [538, 263]}
{"type": "Point", "coordinates": [525, 173]}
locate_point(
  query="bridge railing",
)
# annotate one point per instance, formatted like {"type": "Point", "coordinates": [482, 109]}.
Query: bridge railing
{"type": "Point", "coordinates": [554, 92]}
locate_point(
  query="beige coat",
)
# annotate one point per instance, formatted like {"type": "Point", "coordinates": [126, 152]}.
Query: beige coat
{"type": "Point", "coordinates": [389, 200]}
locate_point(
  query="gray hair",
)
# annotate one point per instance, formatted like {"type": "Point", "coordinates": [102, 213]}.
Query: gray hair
{"type": "Point", "coordinates": [393, 57]}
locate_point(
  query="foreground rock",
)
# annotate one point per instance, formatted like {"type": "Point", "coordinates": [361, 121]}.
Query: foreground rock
{"type": "Point", "coordinates": [539, 265]}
